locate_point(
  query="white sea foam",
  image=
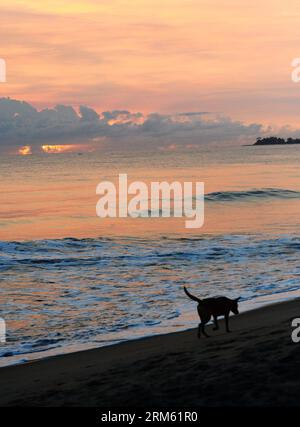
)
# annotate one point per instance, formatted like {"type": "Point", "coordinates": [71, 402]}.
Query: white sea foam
{"type": "Point", "coordinates": [81, 293]}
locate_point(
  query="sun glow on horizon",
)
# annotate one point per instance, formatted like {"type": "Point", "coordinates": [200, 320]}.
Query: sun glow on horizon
{"type": "Point", "coordinates": [56, 149]}
{"type": "Point", "coordinates": [25, 150]}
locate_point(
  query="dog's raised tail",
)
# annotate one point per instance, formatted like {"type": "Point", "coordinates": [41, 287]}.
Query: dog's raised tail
{"type": "Point", "coordinates": [191, 296]}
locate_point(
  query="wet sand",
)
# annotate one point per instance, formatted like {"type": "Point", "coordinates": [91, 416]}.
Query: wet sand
{"type": "Point", "coordinates": [257, 364]}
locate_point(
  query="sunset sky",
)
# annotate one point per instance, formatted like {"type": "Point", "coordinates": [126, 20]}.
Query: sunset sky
{"type": "Point", "coordinates": [227, 56]}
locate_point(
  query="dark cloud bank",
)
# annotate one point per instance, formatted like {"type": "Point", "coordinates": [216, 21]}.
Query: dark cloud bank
{"type": "Point", "coordinates": [21, 124]}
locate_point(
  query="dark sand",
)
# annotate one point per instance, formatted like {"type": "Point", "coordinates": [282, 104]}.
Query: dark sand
{"type": "Point", "coordinates": [255, 365]}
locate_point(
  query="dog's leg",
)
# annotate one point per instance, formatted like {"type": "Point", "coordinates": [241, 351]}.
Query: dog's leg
{"type": "Point", "coordinates": [216, 323]}
{"type": "Point", "coordinates": [227, 322]}
{"type": "Point", "coordinates": [203, 330]}
{"type": "Point", "coordinates": [199, 330]}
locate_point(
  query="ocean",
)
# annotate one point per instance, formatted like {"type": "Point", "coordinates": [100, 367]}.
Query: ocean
{"type": "Point", "coordinates": [71, 281]}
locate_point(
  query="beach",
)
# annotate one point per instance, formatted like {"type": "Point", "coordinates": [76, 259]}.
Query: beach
{"type": "Point", "coordinates": [257, 364]}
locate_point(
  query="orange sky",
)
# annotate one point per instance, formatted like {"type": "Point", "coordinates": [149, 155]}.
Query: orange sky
{"type": "Point", "coordinates": [229, 56]}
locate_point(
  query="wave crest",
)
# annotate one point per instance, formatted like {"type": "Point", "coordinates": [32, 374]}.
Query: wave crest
{"type": "Point", "coordinates": [263, 193]}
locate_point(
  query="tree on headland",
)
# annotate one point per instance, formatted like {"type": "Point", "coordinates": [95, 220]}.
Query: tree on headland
{"type": "Point", "coordinates": [273, 140]}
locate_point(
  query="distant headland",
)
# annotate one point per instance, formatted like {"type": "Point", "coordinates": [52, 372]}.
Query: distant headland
{"type": "Point", "coordinates": [273, 140]}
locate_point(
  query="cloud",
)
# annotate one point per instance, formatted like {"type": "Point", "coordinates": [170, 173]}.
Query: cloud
{"type": "Point", "coordinates": [21, 124]}
{"type": "Point", "coordinates": [88, 114]}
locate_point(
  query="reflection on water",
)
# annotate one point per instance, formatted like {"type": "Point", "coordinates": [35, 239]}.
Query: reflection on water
{"type": "Point", "coordinates": [54, 196]}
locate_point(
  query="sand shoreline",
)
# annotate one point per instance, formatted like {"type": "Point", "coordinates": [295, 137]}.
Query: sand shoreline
{"type": "Point", "coordinates": [255, 365]}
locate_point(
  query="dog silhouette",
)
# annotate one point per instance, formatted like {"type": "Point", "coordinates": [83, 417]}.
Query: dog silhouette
{"type": "Point", "coordinates": [217, 306]}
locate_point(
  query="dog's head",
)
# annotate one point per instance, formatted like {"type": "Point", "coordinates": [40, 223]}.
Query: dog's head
{"type": "Point", "coordinates": [234, 305]}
